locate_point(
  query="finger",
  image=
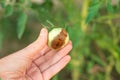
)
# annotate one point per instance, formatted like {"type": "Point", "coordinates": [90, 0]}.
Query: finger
{"type": "Point", "coordinates": [42, 52]}
{"type": "Point", "coordinates": [34, 48]}
{"type": "Point", "coordinates": [46, 57]}
{"type": "Point", "coordinates": [34, 73]}
{"type": "Point", "coordinates": [45, 50]}
{"type": "Point", "coordinates": [56, 57]}
{"type": "Point", "coordinates": [27, 77]}
{"type": "Point", "coordinates": [50, 72]}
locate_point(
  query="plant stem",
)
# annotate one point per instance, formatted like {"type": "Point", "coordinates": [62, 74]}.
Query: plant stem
{"type": "Point", "coordinates": [75, 70]}
{"type": "Point", "coordinates": [76, 63]}
{"type": "Point", "coordinates": [109, 68]}
{"type": "Point", "coordinates": [107, 17]}
{"type": "Point", "coordinates": [84, 15]}
{"type": "Point", "coordinates": [113, 30]}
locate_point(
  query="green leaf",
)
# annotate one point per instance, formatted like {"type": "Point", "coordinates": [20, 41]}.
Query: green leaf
{"type": "Point", "coordinates": [110, 7]}
{"type": "Point", "coordinates": [8, 10]}
{"type": "Point", "coordinates": [2, 3]}
{"type": "Point", "coordinates": [92, 11]}
{"type": "Point", "coordinates": [75, 35]}
{"type": "Point", "coordinates": [21, 1]}
{"type": "Point", "coordinates": [21, 24]}
{"type": "Point", "coordinates": [1, 39]}
{"type": "Point", "coordinates": [95, 2]}
{"type": "Point", "coordinates": [98, 60]}
{"type": "Point", "coordinates": [109, 46]}
{"type": "Point", "coordinates": [89, 66]}
{"type": "Point", "coordinates": [117, 66]}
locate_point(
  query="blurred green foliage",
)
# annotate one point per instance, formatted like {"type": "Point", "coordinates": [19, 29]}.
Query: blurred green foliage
{"type": "Point", "coordinates": [93, 26]}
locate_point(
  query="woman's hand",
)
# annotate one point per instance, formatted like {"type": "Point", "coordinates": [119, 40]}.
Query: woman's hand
{"type": "Point", "coordinates": [35, 62]}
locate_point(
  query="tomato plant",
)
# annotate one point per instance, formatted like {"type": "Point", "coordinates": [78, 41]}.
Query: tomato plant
{"type": "Point", "coordinates": [93, 27]}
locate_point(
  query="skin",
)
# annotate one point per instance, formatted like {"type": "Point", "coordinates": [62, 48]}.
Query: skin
{"type": "Point", "coordinates": [35, 62]}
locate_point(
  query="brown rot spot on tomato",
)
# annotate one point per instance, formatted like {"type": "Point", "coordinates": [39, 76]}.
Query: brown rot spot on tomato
{"type": "Point", "coordinates": [58, 38]}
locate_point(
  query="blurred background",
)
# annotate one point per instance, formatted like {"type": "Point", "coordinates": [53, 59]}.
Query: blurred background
{"type": "Point", "coordinates": [93, 26]}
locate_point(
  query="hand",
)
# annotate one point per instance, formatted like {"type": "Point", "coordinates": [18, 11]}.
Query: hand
{"type": "Point", "coordinates": [35, 62]}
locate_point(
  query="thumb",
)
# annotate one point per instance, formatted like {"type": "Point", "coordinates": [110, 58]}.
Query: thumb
{"type": "Point", "coordinates": [34, 48]}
